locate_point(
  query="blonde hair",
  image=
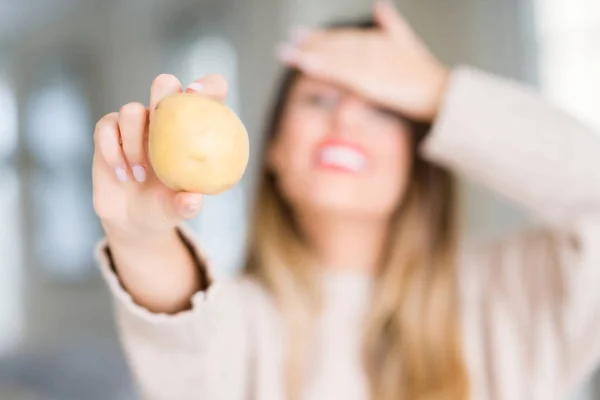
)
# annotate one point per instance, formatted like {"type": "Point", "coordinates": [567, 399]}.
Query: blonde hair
{"type": "Point", "coordinates": [412, 342]}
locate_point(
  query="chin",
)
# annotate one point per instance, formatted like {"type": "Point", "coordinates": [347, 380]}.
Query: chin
{"type": "Point", "coordinates": [333, 204]}
{"type": "Point", "coordinates": [346, 203]}
{"type": "Point", "coordinates": [330, 193]}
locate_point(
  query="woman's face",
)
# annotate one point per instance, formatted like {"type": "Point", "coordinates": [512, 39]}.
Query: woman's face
{"type": "Point", "coordinates": [337, 153]}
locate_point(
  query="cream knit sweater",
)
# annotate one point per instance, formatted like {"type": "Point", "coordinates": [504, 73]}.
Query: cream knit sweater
{"type": "Point", "coordinates": [530, 302]}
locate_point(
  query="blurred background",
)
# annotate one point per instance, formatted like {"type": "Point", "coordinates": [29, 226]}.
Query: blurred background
{"type": "Point", "coordinates": [65, 63]}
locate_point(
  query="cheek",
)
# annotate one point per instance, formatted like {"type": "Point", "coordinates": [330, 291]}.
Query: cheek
{"type": "Point", "coordinates": [300, 130]}
{"type": "Point", "coordinates": [392, 170]}
{"type": "Point", "coordinates": [293, 151]}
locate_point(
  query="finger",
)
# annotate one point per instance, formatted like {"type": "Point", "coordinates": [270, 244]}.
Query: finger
{"type": "Point", "coordinates": [303, 40]}
{"type": "Point", "coordinates": [309, 61]}
{"type": "Point", "coordinates": [301, 35]}
{"type": "Point", "coordinates": [106, 139]}
{"type": "Point", "coordinates": [314, 51]}
{"type": "Point", "coordinates": [389, 19]}
{"type": "Point", "coordinates": [287, 53]}
{"type": "Point", "coordinates": [316, 62]}
{"type": "Point", "coordinates": [300, 39]}
{"type": "Point", "coordinates": [162, 86]}
{"type": "Point", "coordinates": [133, 119]}
{"type": "Point", "coordinates": [212, 85]}
{"type": "Point", "coordinates": [187, 205]}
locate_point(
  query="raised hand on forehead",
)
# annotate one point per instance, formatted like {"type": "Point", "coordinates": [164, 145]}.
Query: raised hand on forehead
{"type": "Point", "coordinates": [389, 65]}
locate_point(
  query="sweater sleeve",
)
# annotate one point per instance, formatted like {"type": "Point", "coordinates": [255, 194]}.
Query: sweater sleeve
{"type": "Point", "coordinates": [201, 353]}
{"type": "Point", "coordinates": [505, 137]}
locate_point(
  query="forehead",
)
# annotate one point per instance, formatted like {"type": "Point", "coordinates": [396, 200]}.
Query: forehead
{"type": "Point", "coordinates": [305, 82]}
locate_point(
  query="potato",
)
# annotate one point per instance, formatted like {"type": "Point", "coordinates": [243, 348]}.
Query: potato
{"type": "Point", "coordinates": [197, 144]}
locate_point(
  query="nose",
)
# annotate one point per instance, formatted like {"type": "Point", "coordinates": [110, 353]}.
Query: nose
{"type": "Point", "coordinates": [348, 115]}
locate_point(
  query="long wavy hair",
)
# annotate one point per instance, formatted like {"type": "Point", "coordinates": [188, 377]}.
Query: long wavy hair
{"type": "Point", "coordinates": [412, 341]}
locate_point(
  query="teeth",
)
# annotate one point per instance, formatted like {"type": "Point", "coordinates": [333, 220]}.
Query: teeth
{"type": "Point", "coordinates": [343, 157]}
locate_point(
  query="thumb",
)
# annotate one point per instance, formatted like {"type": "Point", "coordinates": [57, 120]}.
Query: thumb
{"type": "Point", "coordinates": [389, 19]}
{"type": "Point", "coordinates": [187, 205]}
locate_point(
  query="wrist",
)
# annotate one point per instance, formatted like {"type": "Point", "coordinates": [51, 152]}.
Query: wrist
{"type": "Point", "coordinates": [438, 91]}
{"type": "Point", "coordinates": [120, 237]}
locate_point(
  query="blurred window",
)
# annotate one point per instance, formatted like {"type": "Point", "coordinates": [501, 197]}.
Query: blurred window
{"type": "Point", "coordinates": [8, 122]}
{"type": "Point", "coordinates": [64, 237]}
{"type": "Point", "coordinates": [569, 43]}
{"type": "Point", "coordinates": [58, 142]}
{"type": "Point", "coordinates": [11, 272]}
{"type": "Point", "coordinates": [57, 126]}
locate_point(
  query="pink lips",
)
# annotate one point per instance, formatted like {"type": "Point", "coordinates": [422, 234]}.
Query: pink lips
{"type": "Point", "coordinates": [342, 156]}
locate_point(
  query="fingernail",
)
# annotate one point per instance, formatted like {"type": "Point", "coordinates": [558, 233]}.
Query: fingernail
{"type": "Point", "coordinates": [194, 87]}
{"type": "Point", "coordinates": [121, 174]}
{"type": "Point", "coordinates": [191, 208]}
{"type": "Point", "coordinates": [286, 53]}
{"type": "Point", "coordinates": [139, 173]}
{"type": "Point", "coordinates": [299, 35]}
{"type": "Point", "coordinates": [193, 203]}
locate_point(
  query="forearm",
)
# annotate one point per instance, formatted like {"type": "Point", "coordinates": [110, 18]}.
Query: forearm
{"type": "Point", "coordinates": [160, 273]}
{"type": "Point", "coordinates": [506, 137]}
{"type": "Point", "coordinates": [177, 355]}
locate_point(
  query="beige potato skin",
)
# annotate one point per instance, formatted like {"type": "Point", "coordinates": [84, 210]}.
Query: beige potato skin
{"type": "Point", "coordinates": [197, 144]}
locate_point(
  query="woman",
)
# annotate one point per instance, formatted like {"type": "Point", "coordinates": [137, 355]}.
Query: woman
{"type": "Point", "coordinates": [354, 286]}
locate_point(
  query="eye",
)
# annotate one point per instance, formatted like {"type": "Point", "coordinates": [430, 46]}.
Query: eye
{"type": "Point", "coordinates": [321, 100]}
{"type": "Point", "coordinates": [385, 113]}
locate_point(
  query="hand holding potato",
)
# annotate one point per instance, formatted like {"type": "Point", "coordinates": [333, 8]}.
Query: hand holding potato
{"type": "Point", "coordinates": [151, 165]}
